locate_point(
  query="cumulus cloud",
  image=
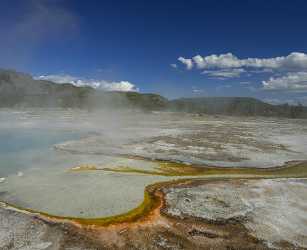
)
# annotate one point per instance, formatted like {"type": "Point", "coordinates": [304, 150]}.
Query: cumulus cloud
{"type": "Point", "coordinates": [187, 62]}
{"type": "Point", "coordinates": [294, 61]}
{"type": "Point", "coordinates": [295, 81]}
{"type": "Point", "coordinates": [97, 84]}
{"type": "Point", "coordinates": [174, 65]}
{"type": "Point", "coordinates": [217, 61]}
{"type": "Point", "coordinates": [224, 73]}
{"type": "Point", "coordinates": [287, 72]}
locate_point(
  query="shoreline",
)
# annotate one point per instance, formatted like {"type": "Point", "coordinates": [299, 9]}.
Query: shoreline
{"type": "Point", "coordinates": [152, 201]}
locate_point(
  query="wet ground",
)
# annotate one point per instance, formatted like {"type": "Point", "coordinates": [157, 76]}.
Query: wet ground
{"type": "Point", "coordinates": [98, 165]}
{"type": "Point", "coordinates": [213, 140]}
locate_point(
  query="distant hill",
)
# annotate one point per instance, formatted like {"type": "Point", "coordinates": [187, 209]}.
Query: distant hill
{"type": "Point", "coordinates": [21, 90]}
{"type": "Point", "coordinates": [240, 106]}
{"type": "Point", "coordinates": [18, 89]}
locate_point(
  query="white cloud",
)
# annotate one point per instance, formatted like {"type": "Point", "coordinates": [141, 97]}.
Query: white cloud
{"type": "Point", "coordinates": [196, 90]}
{"type": "Point", "coordinates": [174, 65]}
{"type": "Point", "coordinates": [97, 84]}
{"type": "Point", "coordinates": [118, 86]}
{"type": "Point", "coordinates": [224, 73]}
{"type": "Point", "coordinates": [58, 78]}
{"type": "Point", "coordinates": [217, 61]}
{"type": "Point", "coordinates": [187, 62]}
{"type": "Point", "coordinates": [294, 61]}
{"type": "Point", "coordinates": [293, 81]}
{"type": "Point", "coordinates": [288, 73]}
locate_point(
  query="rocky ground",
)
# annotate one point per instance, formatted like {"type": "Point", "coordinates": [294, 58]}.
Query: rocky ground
{"type": "Point", "coordinates": [273, 211]}
{"type": "Point", "coordinates": [193, 214]}
{"type": "Point", "coordinates": [27, 232]}
{"type": "Point", "coordinates": [199, 214]}
{"type": "Point", "coordinates": [212, 140]}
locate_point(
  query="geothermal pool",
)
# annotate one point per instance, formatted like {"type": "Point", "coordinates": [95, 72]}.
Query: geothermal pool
{"type": "Point", "coordinates": [41, 150]}
{"type": "Point", "coordinates": [34, 175]}
{"type": "Point", "coordinates": [21, 149]}
{"type": "Point", "coordinates": [38, 177]}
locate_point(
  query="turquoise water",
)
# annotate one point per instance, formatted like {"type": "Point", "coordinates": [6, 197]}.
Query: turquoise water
{"type": "Point", "coordinates": [25, 148]}
{"type": "Point", "coordinates": [45, 183]}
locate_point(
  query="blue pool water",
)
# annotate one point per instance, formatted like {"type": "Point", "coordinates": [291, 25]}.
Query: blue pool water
{"type": "Point", "coordinates": [24, 148]}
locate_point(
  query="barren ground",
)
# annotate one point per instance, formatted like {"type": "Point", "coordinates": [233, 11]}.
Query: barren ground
{"type": "Point", "coordinates": [200, 213]}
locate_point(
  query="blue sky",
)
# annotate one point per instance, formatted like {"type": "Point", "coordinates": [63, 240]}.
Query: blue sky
{"type": "Point", "coordinates": [136, 45]}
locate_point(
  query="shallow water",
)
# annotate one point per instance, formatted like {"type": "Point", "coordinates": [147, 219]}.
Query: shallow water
{"type": "Point", "coordinates": [88, 194]}
{"type": "Point", "coordinates": [21, 149]}
{"type": "Point", "coordinates": [38, 176]}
